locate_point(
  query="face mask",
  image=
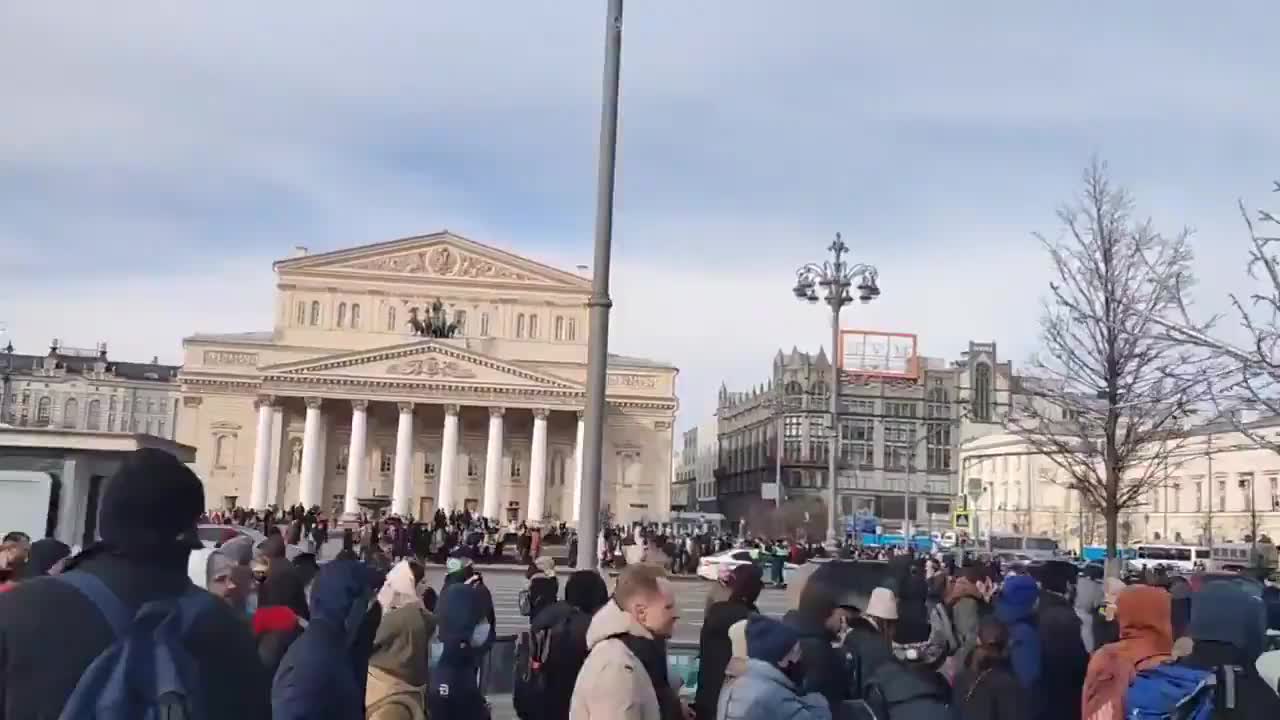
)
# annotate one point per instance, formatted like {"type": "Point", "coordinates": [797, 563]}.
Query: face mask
{"type": "Point", "coordinates": [480, 635]}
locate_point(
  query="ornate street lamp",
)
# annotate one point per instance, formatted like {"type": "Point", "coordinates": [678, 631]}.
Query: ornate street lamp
{"type": "Point", "coordinates": [835, 278]}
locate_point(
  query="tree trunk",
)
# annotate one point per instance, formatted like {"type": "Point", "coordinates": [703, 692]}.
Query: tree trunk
{"type": "Point", "coordinates": [1114, 564]}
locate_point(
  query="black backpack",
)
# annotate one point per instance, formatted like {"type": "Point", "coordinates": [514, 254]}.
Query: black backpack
{"type": "Point", "coordinates": [532, 651]}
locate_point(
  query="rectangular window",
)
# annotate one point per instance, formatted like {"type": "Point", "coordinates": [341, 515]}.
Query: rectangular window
{"type": "Point", "coordinates": [1222, 496]}
{"type": "Point", "coordinates": [1177, 495]}
{"type": "Point", "coordinates": [857, 441]}
{"type": "Point", "coordinates": [899, 440]}
{"type": "Point", "coordinates": [1245, 483]}
{"type": "Point", "coordinates": [898, 408]}
{"type": "Point", "coordinates": [429, 468]}
{"type": "Point", "coordinates": [863, 407]}
{"type": "Point", "coordinates": [1155, 499]}
{"type": "Point", "coordinates": [819, 438]}
{"type": "Point", "coordinates": [341, 464]}
{"type": "Point", "coordinates": [473, 472]}
{"type": "Point", "coordinates": [160, 428]}
{"type": "Point", "coordinates": [1199, 495]}
{"type": "Point", "coordinates": [939, 449]}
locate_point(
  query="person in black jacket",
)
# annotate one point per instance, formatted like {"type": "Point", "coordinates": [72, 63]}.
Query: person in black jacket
{"type": "Point", "coordinates": [714, 648]}
{"type": "Point", "coordinates": [50, 633]}
{"type": "Point", "coordinates": [1063, 657]}
{"type": "Point", "coordinates": [460, 569]}
{"type": "Point", "coordinates": [1228, 630]}
{"type": "Point", "coordinates": [986, 689]}
{"type": "Point", "coordinates": [819, 620]}
{"type": "Point", "coordinates": [584, 594]}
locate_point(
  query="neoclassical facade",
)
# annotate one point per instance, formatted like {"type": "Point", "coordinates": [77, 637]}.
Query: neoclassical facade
{"type": "Point", "coordinates": [432, 371]}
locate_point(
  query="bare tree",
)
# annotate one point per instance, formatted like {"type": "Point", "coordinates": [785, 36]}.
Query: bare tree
{"type": "Point", "coordinates": [1109, 393]}
{"type": "Point", "coordinates": [1245, 374]}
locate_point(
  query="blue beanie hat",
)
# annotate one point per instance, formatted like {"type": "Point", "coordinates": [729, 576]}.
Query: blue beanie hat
{"type": "Point", "coordinates": [769, 640]}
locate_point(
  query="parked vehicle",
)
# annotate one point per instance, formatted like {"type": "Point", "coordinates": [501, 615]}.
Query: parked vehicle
{"type": "Point", "coordinates": [709, 566]}
{"type": "Point", "coordinates": [1034, 547]}
{"type": "Point", "coordinates": [1182, 558]}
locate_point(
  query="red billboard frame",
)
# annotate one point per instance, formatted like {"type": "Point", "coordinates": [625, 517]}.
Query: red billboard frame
{"type": "Point", "coordinates": [910, 363]}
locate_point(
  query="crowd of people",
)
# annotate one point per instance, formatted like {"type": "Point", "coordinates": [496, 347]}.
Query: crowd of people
{"type": "Point", "coordinates": [147, 622]}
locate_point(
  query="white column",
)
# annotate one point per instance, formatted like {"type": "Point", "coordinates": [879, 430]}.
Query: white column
{"type": "Point", "coordinates": [538, 468]}
{"type": "Point", "coordinates": [309, 488]}
{"type": "Point", "coordinates": [493, 465]}
{"type": "Point", "coordinates": [261, 455]}
{"type": "Point", "coordinates": [448, 459]}
{"type": "Point", "coordinates": [356, 457]}
{"type": "Point", "coordinates": [402, 480]}
{"type": "Point", "coordinates": [577, 468]}
{"type": "Point", "coordinates": [277, 453]}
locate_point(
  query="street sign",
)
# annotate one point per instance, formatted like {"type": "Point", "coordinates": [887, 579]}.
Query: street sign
{"type": "Point", "coordinates": [962, 520]}
{"type": "Point", "coordinates": [769, 491]}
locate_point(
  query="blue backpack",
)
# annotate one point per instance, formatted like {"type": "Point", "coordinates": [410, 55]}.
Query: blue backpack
{"type": "Point", "coordinates": [147, 674]}
{"type": "Point", "coordinates": [1178, 692]}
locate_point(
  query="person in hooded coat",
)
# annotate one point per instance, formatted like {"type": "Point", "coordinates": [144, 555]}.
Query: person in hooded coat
{"type": "Point", "coordinates": [1227, 628]}
{"type": "Point", "coordinates": [714, 648]}
{"type": "Point", "coordinates": [1064, 660]}
{"type": "Point", "coordinates": [398, 677]}
{"type": "Point", "coordinates": [1016, 608]}
{"type": "Point", "coordinates": [211, 570]}
{"type": "Point", "coordinates": [1088, 601]}
{"type": "Point", "coordinates": [1146, 640]}
{"type": "Point", "coordinates": [281, 616]}
{"type": "Point", "coordinates": [322, 675]}
{"type": "Point", "coordinates": [819, 620]}
{"type": "Point", "coordinates": [50, 632]}
{"type": "Point", "coordinates": [584, 594]}
{"type": "Point", "coordinates": [453, 692]}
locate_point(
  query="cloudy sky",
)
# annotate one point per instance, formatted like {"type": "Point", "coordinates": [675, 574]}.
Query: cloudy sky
{"type": "Point", "coordinates": [156, 156]}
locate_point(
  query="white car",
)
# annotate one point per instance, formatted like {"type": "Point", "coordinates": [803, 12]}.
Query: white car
{"type": "Point", "coordinates": [709, 566]}
{"type": "Point", "coordinates": [211, 535]}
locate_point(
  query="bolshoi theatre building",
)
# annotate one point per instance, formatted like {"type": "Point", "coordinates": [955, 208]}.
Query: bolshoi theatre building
{"type": "Point", "coordinates": [423, 373]}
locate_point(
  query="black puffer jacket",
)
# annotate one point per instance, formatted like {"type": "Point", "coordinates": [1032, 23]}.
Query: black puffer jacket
{"type": "Point", "coordinates": [825, 669]}
{"type": "Point", "coordinates": [715, 650]}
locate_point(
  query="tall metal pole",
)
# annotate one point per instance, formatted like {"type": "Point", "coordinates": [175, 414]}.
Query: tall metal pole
{"type": "Point", "coordinates": [777, 461]}
{"type": "Point", "coordinates": [833, 436]}
{"type": "Point", "coordinates": [600, 303]}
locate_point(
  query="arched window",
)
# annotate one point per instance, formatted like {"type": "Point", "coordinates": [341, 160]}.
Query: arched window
{"type": "Point", "coordinates": [93, 420]}
{"type": "Point", "coordinates": [391, 319]}
{"type": "Point", "coordinates": [520, 325]}
{"type": "Point", "coordinates": [315, 312]}
{"type": "Point", "coordinates": [460, 319]}
{"type": "Point", "coordinates": [160, 428]}
{"type": "Point", "coordinates": [572, 333]}
{"type": "Point", "coordinates": [222, 448]}
{"type": "Point", "coordinates": [111, 414]}
{"type": "Point", "coordinates": [819, 388]}
{"type": "Point", "coordinates": [794, 388]}
{"type": "Point", "coordinates": [342, 314]}
{"type": "Point", "coordinates": [533, 327]}
{"type": "Point", "coordinates": [42, 411]}
{"type": "Point", "coordinates": [355, 316]}
{"type": "Point", "coordinates": [484, 324]}
{"type": "Point", "coordinates": [558, 328]}
{"type": "Point", "coordinates": [71, 413]}
{"type": "Point", "coordinates": [302, 313]}
{"type": "Point", "coordinates": [147, 431]}
{"type": "Point", "coordinates": [982, 393]}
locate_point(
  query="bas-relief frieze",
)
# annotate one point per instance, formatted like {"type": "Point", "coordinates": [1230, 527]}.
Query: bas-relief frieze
{"type": "Point", "coordinates": [445, 262]}
{"type": "Point", "coordinates": [430, 367]}
{"type": "Point", "coordinates": [230, 357]}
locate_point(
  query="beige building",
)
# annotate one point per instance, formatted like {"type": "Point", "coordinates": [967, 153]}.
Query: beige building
{"type": "Point", "coordinates": [1218, 484]}
{"type": "Point", "coordinates": [431, 371]}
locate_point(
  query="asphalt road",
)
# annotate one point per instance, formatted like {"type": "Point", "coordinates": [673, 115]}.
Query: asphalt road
{"type": "Point", "coordinates": [690, 599]}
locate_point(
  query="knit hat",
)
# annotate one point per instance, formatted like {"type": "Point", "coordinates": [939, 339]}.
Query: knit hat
{"type": "Point", "coordinates": [769, 640]}
{"type": "Point", "coordinates": [151, 503]}
{"type": "Point", "coordinates": [586, 590]}
{"type": "Point", "coordinates": [546, 565]}
{"type": "Point", "coordinates": [883, 604]}
{"type": "Point", "coordinates": [459, 560]}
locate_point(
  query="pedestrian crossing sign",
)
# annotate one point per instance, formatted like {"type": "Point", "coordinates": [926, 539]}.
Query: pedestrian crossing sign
{"type": "Point", "coordinates": [962, 519]}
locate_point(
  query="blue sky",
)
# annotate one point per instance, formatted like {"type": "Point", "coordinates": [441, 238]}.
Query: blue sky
{"type": "Point", "coordinates": [154, 158]}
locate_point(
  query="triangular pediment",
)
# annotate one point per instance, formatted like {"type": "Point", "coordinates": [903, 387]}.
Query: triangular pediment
{"type": "Point", "coordinates": [424, 361]}
{"type": "Point", "coordinates": [440, 257]}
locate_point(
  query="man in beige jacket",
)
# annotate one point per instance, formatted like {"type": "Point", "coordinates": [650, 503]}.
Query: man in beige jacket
{"type": "Point", "coordinates": [625, 676]}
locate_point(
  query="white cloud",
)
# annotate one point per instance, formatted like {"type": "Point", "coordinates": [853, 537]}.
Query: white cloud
{"type": "Point", "coordinates": [154, 154]}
